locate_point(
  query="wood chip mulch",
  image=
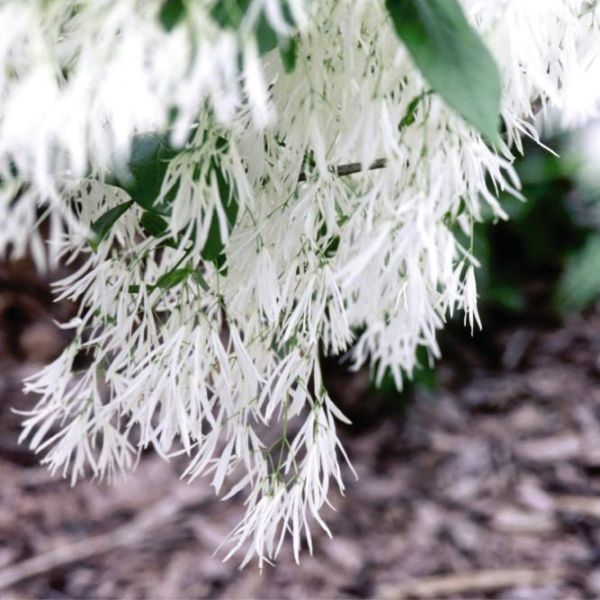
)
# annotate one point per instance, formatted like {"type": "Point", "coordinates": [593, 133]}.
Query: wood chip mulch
{"type": "Point", "coordinates": [488, 487]}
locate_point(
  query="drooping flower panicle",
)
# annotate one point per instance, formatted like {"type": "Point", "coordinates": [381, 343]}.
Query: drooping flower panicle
{"type": "Point", "coordinates": [212, 283]}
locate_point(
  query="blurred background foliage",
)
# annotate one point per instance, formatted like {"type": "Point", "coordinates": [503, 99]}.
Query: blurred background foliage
{"type": "Point", "coordinates": [544, 262]}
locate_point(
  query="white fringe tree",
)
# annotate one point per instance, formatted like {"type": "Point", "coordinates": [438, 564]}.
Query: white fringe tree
{"type": "Point", "coordinates": [247, 184]}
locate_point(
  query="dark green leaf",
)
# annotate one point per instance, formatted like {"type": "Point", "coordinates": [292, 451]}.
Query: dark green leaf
{"type": "Point", "coordinates": [289, 54]}
{"type": "Point", "coordinates": [153, 224]}
{"type": "Point", "coordinates": [230, 13]}
{"type": "Point", "coordinates": [452, 58]}
{"type": "Point", "coordinates": [173, 278]}
{"type": "Point", "coordinates": [214, 247]}
{"type": "Point", "coordinates": [332, 246]}
{"type": "Point", "coordinates": [171, 13]}
{"type": "Point", "coordinates": [103, 224]}
{"type": "Point", "coordinates": [150, 156]}
{"type": "Point", "coordinates": [411, 111]}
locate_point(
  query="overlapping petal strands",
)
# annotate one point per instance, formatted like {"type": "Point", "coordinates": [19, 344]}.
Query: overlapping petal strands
{"type": "Point", "coordinates": [205, 337]}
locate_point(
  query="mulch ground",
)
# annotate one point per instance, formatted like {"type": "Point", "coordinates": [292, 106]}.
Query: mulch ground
{"type": "Point", "coordinates": [488, 487]}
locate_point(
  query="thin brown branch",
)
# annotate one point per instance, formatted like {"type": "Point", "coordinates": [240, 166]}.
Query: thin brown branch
{"type": "Point", "coordinates": [352, 168]}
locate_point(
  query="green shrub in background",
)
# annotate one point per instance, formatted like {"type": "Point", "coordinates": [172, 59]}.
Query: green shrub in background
{"type": "Point", "coordinates": [545, 260]}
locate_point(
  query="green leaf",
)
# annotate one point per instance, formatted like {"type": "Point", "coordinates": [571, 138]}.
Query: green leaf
{"type": "Point", "coordinates": [153, 224]}
{"type": "Point", "coordinates": [103, 224]}
{"type": "Point", "coordinates": [214, 247]}
{"type": "Point", "coordinates": [148, 165]}
{"type": "Point", "coordinates": [230, 13]}
{"type": "Point", "coordinates": [411, 111]}
{"type": "Point", "coordinates": [197, 277]}
{"type": "Point", "coordinates": [265, 36]}
{"type": "Point", "coordinates": [173, 278]}
{"type": "Point", "coordinates": [150, 156]}
{"type": "Point", "coordinates": [452, 58]}
{"type": "Point", "coordinates": [171, 13]}
{"type": "Point", "coordinates": [289, 54]}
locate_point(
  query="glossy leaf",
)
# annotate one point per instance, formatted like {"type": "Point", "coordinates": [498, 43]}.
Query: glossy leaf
{"type": "Point", "coordinates": [452, 58]}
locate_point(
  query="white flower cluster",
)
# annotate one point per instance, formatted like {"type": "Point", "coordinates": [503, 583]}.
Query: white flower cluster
{"type": "Point", "coordinates": [321, 252]}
